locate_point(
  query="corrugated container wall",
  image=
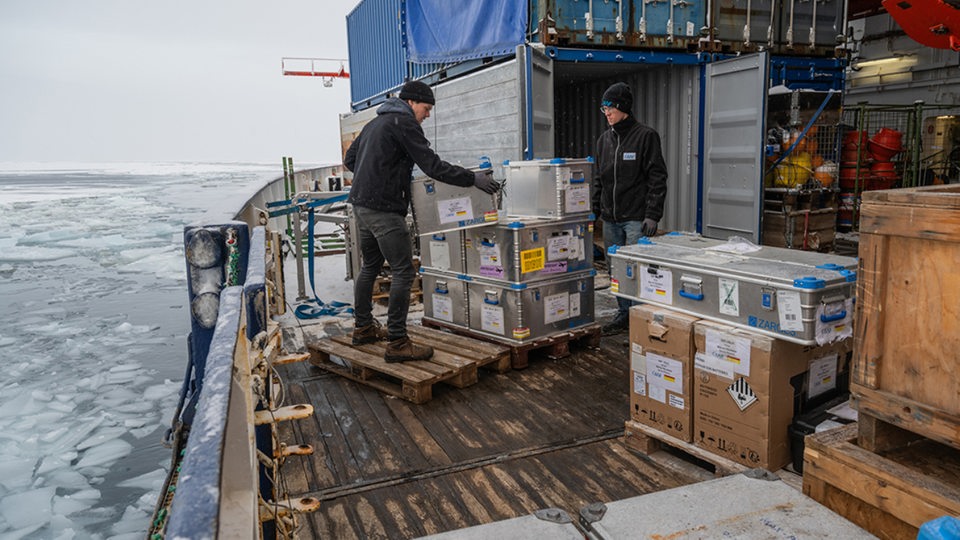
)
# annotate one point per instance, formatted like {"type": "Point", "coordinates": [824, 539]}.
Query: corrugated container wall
{"type": "Point", "coordinates": [666, 98]}
{"type": "Point", "coordinates": [478, 111]}
{"type": "Point", "coordinates": [376, 33]}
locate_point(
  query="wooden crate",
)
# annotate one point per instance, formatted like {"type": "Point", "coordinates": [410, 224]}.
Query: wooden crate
{"type": "Point", "coordinates": [906, 369]}
{"type": "Point", "coordinates": [889, 495]}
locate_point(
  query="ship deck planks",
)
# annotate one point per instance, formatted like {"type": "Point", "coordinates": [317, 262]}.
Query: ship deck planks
{"type": "Point", "coordinates": [550, 435]}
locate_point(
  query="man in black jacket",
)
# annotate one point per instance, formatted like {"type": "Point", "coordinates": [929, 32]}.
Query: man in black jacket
{"type": "Point", "coordinates": [382, 159]}
{"type": "Point", "coordinates": [630, 184]}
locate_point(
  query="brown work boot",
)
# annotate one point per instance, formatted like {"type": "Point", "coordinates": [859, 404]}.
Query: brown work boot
{"type": "Point", "coordinates": [404, 350]}
{"type": "Point", "coordinates": [370, 333]}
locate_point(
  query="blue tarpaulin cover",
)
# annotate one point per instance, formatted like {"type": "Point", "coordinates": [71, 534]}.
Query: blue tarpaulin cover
{"type": "Point", "coordinates": [455, 30]}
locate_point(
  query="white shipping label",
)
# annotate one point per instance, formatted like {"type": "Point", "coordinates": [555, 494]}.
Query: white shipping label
{"type": "Point", "coordinates": [658, 393]}
{"type": "Point", "coordinates": [489, 255]}
{"type": "Point", "coordinates": [638, 360]}
{"type": "Point", "coordinates": [823, 375]}
{"type": "Point", "coordinates": [440, 255]}
{"type": "Point", "coordinates": [742, 394]}
{"type": "Point", "coordinates": [556, 308]}
{"type": "Point", "coordinates": [834, 321]}
{"type": "Point", "coordinates": [443, 307]}
{"type": "Point", "coordinates": [575, 305]}
{"type": "Point", "coordinates": [454, 210]}
{"type": "Point", "coordinates": [577, 199]}
{"type": "Point", "coordinates": [791, 314]}
{"type": "Point", "coordinates": [558, 248]}
{"type": "Point", "coordinates": [729, 296]}
{"type": "Point", "coordinates": [676, 402]}
{"type": "Point", "coordinates": [656, 284]}
{"type": "Point", "coordinates": [733, 350]}
{"type": "Point", "coordinates": [691, 28]}
{"type": "Point", "coordinates": [581, 253]}
{"type": "Point", "coordinates": [491, 319]}
{"type": "Point", "coordinates": [665, 372]}
{"type": "Point", "coordinates": [714, 367]}
{"type": "Point", "coordinates": [639, 383]}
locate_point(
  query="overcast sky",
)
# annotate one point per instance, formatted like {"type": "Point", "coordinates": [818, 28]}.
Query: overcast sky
{"type": "Point", "coordinates": [177, 80]}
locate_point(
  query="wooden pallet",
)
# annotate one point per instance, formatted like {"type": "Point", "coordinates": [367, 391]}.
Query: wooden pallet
{"type": "Point", "coordinates": [413, 381]}
{"type": "Point", "coordinates": [890, 495]}
{"type": "Point", "coordinates": [647, 440]}
{"type": "Point", "coordinates": [489, 355]}
{"type": "Point", "coordinates": [555, 345]}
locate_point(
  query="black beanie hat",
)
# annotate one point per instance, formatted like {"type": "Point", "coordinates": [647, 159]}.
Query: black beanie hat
{"type": "Point", "coordinates": [619, 96]}
{"type": "Point", "coordinates": [417, 91]}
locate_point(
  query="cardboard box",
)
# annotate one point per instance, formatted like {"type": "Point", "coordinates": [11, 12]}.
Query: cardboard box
{"type": "Point", "coordinates": [661, 365]}
{"type": "Point", "coordinates": [748, 387]}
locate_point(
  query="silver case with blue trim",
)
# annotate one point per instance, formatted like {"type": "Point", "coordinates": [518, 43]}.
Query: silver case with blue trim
{"type": "Point", "coordinates": [439, 207]}
{"type": "Point", "coordinates": [445, 298]}
{"type": "Point", "coordinates": [443, 251]}
{"type": "Point", "coordinates": [549, 188]}
{"type": "Point", "coordinates": [498, 252]}
{"type": "Point", "coordinates": [543, 307]}
{"type": "Point", "coordinates": [695, 282]}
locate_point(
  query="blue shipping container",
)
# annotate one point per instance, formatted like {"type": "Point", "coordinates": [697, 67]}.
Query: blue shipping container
{"type": "Point", "coordinates": [376, 39]}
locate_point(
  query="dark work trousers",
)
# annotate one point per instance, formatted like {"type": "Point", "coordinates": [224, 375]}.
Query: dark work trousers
{"type": "Point", "coordinates": [383, 236]}
{"type": "Point", "coordinates": [624, 233]}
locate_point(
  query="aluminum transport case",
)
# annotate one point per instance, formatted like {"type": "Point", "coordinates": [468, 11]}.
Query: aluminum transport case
{"type": "Point", "coordinates": [445, 297]}
{"type": "Point", "coordinates": [550, 188]}
{"type": "Point", "coordinates": [439, 207]}
{"type": "Point", "coordinates": [521, 312]}
{"type": "Point", "coordinates": [760, 506]}
{"type": "Point", "coordinates": [443, 251]}
{"type": "Point", "coordinates": [799, 296]}
{"type": "Point", "coordinates": [529, 249]}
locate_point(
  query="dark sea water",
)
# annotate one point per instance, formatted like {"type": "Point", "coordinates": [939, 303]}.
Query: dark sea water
{"type": "Point", "coordinates": [93, 329]}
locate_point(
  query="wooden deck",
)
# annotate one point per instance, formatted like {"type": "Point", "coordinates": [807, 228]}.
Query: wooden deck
{"type": "Point", "coordinates": [547, 436]}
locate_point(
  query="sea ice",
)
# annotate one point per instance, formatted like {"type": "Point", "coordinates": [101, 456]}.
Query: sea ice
{"type": "Point", "coordinates": [27, 509]}
{"type": "Point", "coordinates": [16, 473]}
{"type": "Point", "coordinates": [151, 480]}
{"type": "Point", "coordinates": [67, 504]}
{"type": "Point", "coordinates": [101, 436]}
{"type": "Point", "coordinates": [105, 454]}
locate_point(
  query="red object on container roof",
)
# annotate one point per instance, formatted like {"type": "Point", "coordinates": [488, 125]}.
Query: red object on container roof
{"type": "Point", "coordinates": [933, 23]}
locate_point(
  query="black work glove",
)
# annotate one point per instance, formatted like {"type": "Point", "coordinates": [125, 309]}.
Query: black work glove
{"type": "Point", "coordinates": [649, 227]}
{"type": "Point", "coordinates": [484, 180]}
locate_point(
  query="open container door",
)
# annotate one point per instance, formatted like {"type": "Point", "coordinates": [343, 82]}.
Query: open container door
{"type": "Point", "coordinates": [537, 120]}
{"type": "Point", "coordinates": [735, 112]}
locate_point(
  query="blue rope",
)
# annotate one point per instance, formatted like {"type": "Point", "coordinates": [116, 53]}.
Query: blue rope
{"type": "Point", "coordinates": [321, 309]}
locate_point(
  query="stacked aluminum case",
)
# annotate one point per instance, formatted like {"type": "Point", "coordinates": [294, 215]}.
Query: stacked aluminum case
{"type": "Point", "coordinates": [526, 277]}
{"type": "Point", "coordinates": [550, 188]}
{"type": "Point", "coordinates": [799, 296]}
{"type": "Point", "coordinates": [439, 207]}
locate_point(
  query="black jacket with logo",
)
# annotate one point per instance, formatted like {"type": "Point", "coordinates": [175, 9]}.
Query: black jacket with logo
{"type": "Point", "coordinates": [383, 155]}
{"type": "Point", "coordinates": [630, 183]}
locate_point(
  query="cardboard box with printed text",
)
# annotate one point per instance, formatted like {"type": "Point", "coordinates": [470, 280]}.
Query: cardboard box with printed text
{"type": "Point", "coordinates": [661, 366]}
{"type": "Point", "coordinates": [748, 387]}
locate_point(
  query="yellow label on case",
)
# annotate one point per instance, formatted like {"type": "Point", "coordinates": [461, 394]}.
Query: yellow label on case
{"type": "Point", "coordinates": [614, 285]}
{"type": "Point", "coordinates": [491, 216]}
{"type": "Point", "coordinates": [532, 260]}
{"type": "Point", "coordinates": [521, 332]}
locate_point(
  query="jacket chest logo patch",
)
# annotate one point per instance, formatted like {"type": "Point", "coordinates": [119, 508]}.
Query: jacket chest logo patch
{"type": "Point", "coordinates": [629, 156]}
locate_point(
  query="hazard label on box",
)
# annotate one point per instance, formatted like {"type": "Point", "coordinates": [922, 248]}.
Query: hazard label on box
{"type": "Point", "coordinates": [742, 394]}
